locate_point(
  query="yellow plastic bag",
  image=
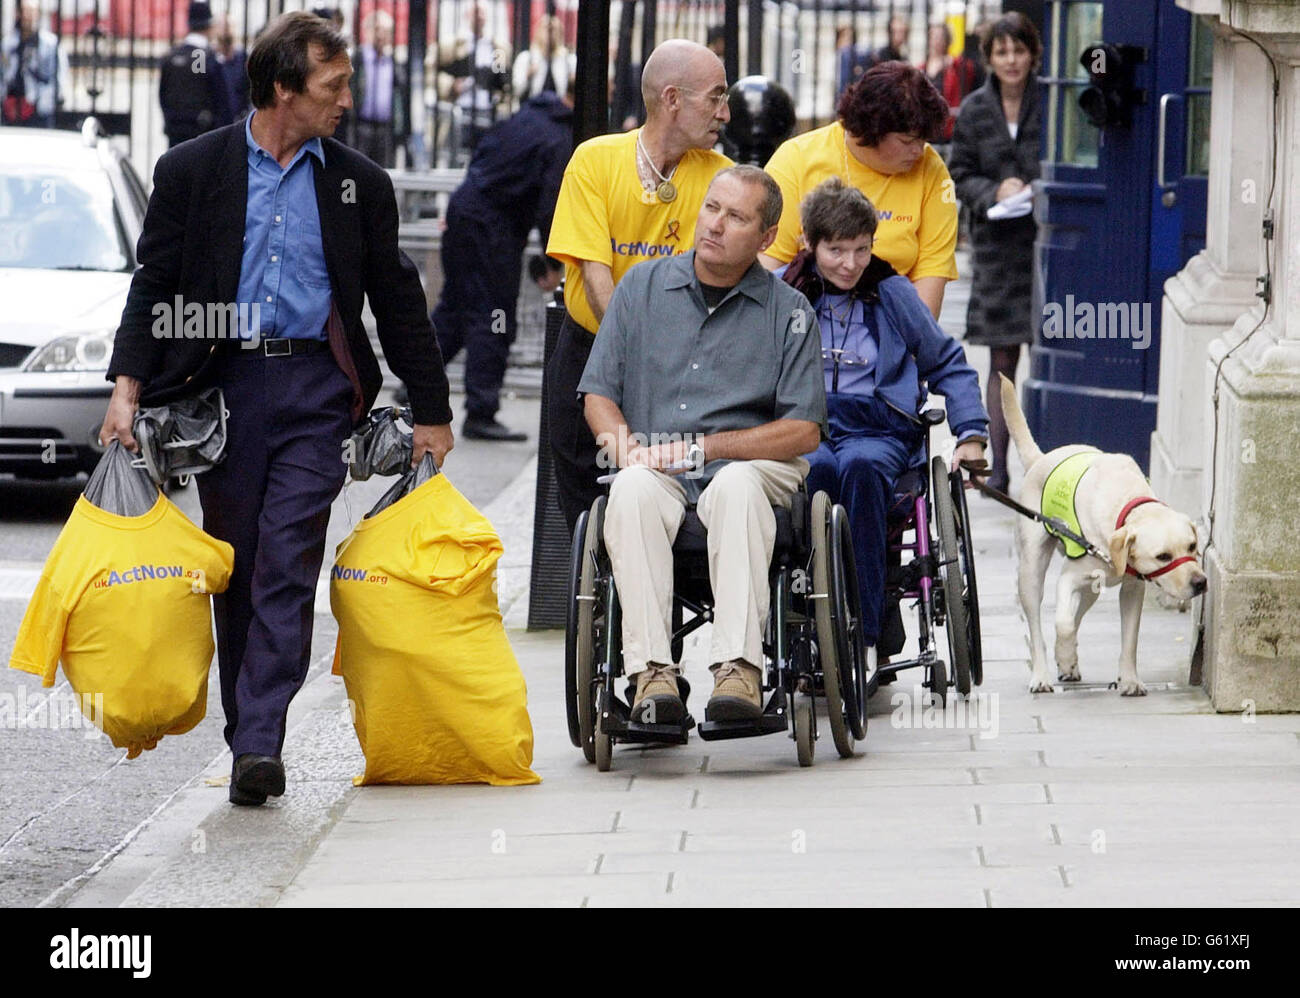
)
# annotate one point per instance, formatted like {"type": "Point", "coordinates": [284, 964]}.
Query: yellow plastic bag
{"type": "Point", "coordinates": [123, 603]}
{"type": "Point", "coordinates": [437, 694]}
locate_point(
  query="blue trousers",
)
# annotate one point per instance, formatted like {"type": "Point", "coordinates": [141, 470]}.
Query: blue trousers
{"type": "Point", "coordinates": [870, 446]}
{"type": "Point", "coordinates": [270, 499]}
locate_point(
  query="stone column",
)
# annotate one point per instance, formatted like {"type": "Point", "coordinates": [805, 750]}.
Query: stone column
{"type": "Point", "coordinates": [1252, 395]}
{"type": "Point", "coordinates": [1218, 284]}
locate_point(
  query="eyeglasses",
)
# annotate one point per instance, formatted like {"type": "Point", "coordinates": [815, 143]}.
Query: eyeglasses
{"type": "Point", "coordinates": [838, 357]}
{"type": "Point", "coordinates": [717, 100]}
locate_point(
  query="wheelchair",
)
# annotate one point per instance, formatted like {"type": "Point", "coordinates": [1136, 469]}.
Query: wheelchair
{"type": "Point", "coordinates": [939, 576]}
{"type": "Point", "coordinates": [812, 642]}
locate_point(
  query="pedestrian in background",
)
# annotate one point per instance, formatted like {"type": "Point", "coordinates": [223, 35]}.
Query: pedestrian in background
{"type": "Point", "coordinates": [547, 65]}
{"type": "Point", "coordinates": [473, 73]}
{"type": "Point", "coordinates": [878, 145]}
{"type": "Point", "coordinates": [510, 187]}
{"type": "Point", "coordinates": [895, 50]}
{"type": "Point", "coordinates": [252, 215]}
{"type": "Point", "coordinates": [234, 67]}
{"type": "Point", "coordinates": [191, 85]}
{"type": "Point", "coordinates": [995, 150]}
{"type": "Point", "coordinates": [954, 76]}
{"type": "Point", "coordinates": [34, 69]}
{"type": "Point", "coordinates": [378, 92]}
{"type": "Point", "coordinates": [853, 60]}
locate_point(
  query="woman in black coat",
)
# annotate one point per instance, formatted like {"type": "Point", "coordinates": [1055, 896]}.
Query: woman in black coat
{"type": "Point", "coordinates": [995, 151]}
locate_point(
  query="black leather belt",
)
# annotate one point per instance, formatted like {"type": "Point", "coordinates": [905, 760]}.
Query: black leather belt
{"type": "Point", "coordinates": [281, 347]}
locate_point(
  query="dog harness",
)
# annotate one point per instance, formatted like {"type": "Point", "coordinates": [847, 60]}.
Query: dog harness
{"type": "Point", "coordinates": [1058, 498]}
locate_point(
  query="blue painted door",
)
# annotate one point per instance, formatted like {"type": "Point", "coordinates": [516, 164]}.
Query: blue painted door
{"type": "Point", "coordinates": [1112, 227]}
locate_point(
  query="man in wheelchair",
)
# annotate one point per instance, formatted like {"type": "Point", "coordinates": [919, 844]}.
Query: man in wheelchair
{"type": "Point", "coordinates": [880, 346]}
{"type": "Point", "coordinates": [704, 386]}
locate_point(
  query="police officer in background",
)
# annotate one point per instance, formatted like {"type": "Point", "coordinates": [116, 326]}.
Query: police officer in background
{"type": "Point", "coordinates": [510, 186]}
{"type": "Point", "coordinates": [192, 87]}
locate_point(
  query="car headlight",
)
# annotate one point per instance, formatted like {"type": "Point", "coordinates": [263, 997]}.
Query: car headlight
{"type": "Point", "coordinates": [79, 352]}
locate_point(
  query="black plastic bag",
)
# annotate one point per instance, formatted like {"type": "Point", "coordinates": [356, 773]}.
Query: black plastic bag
{"type": "Point", "coordinates": [379, 446]}
{"type": "Point", "coordinates": [119, 485]}
{"type": "Point", "coordinates": [407, 484]}
{"type": "Point", "coordinates": [185, 437]}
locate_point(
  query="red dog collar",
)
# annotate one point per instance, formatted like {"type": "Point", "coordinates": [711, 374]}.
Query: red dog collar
{"type": "Point", "coordinates": [1129, 506]}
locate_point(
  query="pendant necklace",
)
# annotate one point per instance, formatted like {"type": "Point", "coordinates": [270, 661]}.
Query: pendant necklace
{"type": "Point", "coordinates": [665, 191]}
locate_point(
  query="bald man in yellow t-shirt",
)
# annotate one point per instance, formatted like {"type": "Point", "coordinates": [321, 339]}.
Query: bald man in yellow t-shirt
{"type": "Point", "coordinates": [627, 198]}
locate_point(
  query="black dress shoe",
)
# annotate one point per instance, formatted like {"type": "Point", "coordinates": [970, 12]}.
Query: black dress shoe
{"type": "Point", "coordinates": [256, 777]}
{"type": "Point", "coordinates": [490, 429]}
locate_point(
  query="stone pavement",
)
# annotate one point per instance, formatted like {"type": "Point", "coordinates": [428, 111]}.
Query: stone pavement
{"type": "Point", "coordinates": [1075, 798]}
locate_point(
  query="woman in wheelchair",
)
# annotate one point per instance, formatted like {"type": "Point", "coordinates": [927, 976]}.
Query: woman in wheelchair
{"type": "Point", "coordinates": [880, 347]}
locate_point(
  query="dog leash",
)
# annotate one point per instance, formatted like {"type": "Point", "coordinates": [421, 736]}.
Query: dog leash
{"type": "Point", "coordinates": [979, 471]}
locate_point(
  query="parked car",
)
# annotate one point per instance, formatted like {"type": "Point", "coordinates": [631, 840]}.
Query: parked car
{"type": "Point", "coordinates": [71, 210]}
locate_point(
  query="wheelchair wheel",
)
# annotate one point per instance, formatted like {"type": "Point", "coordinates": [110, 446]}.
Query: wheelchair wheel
{"type": "Point", "coordinates": [831, 616]}
{"type": "Point", "coordinates": [576, 550]}
{"type": "Point", "coordinates": [586, 644]}
{"type": "Point", "coordinates": [954, 596]}
{"type": "Point", "coordinates": [847, 604]}
{"type": "Point", "coordinates": [939, 683]}
{"type": "Point", "coordinates": [804, 739]}
{"type": "Point", "coordinates": [604, 750]}
{"type": "Point", "coordinates": [967, 541]}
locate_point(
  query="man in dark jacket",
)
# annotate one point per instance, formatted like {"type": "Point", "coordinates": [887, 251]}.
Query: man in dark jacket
{"type": "Point", "coordinates": [191, 84]}
{"type": "Point", "coordinates": [291, 229]}
{"type": "Point", "coordinates": [510, 187]}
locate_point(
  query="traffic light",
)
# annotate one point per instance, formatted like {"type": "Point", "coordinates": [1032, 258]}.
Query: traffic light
{"type": "Point", "coordinates": [1110, 98]}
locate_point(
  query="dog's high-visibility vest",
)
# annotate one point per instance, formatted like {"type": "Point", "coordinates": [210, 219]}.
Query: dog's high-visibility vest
{"type": "Point", "coordinates": [1058, 497]}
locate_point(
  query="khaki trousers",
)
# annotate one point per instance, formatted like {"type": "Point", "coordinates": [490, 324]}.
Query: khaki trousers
{"type": "Point", "coordinates": [644, 512]}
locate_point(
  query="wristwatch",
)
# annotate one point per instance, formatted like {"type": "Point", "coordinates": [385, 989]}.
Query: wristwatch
{"type": "Point", "coordinates": [695, 454]}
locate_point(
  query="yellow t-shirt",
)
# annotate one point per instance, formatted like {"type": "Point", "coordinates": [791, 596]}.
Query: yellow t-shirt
{"type": "Point", "coordinates": [436, 691]}
{"type": "Point", "coordinates": [604, 214]}
{"type": "Point", "coordinates": [917, 233]}
{"type": "Point", "coordinates": [123, 602]}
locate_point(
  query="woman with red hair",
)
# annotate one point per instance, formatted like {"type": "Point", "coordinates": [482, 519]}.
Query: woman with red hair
{"type": "Point", "coordinates": [880, 145]}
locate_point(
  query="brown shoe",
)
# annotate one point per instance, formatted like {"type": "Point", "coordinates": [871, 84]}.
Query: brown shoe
{"type": "Point", "coordinates": [737, 692]}
{"type": "Point", "coordinates": [657, 700]}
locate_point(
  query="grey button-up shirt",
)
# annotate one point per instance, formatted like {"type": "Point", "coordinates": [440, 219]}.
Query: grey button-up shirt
{"type": "Point", "coordinates": [675, 368]}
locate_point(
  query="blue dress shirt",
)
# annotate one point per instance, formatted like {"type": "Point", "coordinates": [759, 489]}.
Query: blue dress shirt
{"type": "Point", "coordinates": [283, 270]}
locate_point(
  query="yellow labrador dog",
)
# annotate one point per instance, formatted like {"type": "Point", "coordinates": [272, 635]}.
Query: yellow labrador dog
{"type": "Point", "coordinates": [1115, 512]}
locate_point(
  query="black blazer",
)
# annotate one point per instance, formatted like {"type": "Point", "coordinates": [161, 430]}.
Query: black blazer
{"type": "Point", "coordinates": [192, 246]}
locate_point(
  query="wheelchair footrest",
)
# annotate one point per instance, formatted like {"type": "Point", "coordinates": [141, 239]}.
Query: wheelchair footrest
{"type": "Point", "coordinates": [616, 721]}
{"type": "Point", "coordinates": [774, 719]}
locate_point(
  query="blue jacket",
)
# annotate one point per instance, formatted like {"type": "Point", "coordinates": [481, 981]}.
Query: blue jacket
{"type": "Point", "coordinates": [915, 355]}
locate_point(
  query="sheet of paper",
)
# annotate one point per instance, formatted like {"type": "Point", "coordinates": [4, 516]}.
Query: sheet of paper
{"type": "Point", "coordinates": [1017, 205]}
